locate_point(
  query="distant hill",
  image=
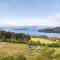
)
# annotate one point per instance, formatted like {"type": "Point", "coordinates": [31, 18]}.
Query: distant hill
{"type": "Point", "coordinates": [3, 27]}
{"type": "Point", "coordinates": [33, 28]}
{"type": "Point", "coordinates": [52, 30]}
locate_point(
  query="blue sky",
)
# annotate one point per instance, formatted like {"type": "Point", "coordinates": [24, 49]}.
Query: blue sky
{"type": "Point", "coordinates": [30, 12]}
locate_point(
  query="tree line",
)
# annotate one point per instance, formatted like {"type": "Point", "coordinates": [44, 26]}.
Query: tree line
{"type": "Point", "coordinates": [14, 37]}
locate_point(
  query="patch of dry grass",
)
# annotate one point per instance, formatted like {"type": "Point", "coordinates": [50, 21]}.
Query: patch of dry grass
{"type": "Point", "coordinates": [10, 49]}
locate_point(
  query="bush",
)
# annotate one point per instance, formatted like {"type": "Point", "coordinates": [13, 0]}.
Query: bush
{"type": "Point", "coordinates": [45, 54]}
{"type": "Point", "coordinates": [54, 45]}
{"type": "Point", "coordinates": [19, 57]}
{"type": "Point", "coordinates": [7, 58]}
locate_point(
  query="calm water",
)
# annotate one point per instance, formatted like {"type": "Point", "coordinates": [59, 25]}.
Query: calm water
{"type": "Point", "coordinates": [35, 32]}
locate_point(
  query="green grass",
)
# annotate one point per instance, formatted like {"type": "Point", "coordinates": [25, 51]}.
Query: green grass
{"type": "Point", "coordinates": [57, 50]}
{"type": "Point", "coordinates": [41, 40]}
{"type": "Point", "coordinates": [12, 49]}
{"type": "Point", "coordinates": [46, 41]}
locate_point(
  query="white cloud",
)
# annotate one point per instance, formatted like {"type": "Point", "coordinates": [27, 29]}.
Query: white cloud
{"type": "Point", "coordinates": [22, 21]}
{"type": "Point", "coordinates": [7, 21]}
{"type": "Point", "coordinates": [53, 20]}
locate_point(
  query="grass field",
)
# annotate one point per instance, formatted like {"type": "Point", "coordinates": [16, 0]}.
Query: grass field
{"type": "Point", "coordinates": [7, 49]}
{"type": "Point", "coordinates": [43, 40]}
{"type": "Point", "coordinates": [57, 50]}
{"type": "Point", "coordinates": [12, 49]}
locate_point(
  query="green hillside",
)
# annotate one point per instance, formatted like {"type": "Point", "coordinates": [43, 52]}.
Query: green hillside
{"type": "Point", "coordinates": [53, 30]}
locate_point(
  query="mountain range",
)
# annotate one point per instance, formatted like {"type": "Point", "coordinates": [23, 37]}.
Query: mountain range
{"type": "Point", "coordinates": [23, 27]}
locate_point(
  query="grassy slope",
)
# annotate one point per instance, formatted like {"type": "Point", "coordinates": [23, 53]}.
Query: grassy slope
{"type": "Point", "coordinates": [9, 49]}
{"type": "Point", "coordinates": [46, 41]}
{"type": "Point", "coordinates": [41, 40]}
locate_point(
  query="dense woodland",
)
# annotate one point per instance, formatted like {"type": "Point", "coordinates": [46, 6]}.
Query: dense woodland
{"type": "Point", "coordinates": [14, 37]}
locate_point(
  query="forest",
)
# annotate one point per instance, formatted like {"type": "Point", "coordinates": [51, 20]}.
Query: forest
{"type": "Point", "coordinates": [14, 37]}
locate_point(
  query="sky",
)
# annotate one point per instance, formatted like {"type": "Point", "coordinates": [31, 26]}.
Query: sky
{"type": "Point", "coordinates": [30, 12]}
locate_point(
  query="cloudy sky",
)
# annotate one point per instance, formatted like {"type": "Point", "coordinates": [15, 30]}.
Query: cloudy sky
{"type": "Point", "coordinates": [30, 12]}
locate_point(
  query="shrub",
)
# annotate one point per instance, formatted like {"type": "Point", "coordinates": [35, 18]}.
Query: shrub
{"type": "Point", "coordinates": [7, 58]}
{"type": "Point", "coordinates": [21, 57]}
{"type": "Point", "coordinates": [45, 53]}
{"type": "Point", "coordinates": [18, 57]}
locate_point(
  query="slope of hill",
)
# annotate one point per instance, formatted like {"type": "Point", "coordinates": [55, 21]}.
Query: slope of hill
{"type": "Point", "coordinates": [52, 30]}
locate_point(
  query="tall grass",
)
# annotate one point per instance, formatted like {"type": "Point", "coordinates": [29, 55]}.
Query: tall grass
{"type": "Point", "coordinates": [19, 57]}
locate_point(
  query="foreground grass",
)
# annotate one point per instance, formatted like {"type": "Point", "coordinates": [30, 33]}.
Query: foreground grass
{"type": "Point", "coordinates": [12, 49]}
{"type": "Point", "coordinates": [57, 50]}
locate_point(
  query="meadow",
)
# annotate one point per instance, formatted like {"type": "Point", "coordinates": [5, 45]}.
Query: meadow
{"type": "Point", "coordinates": [19, 46]}
{"type": "Point", "coordinates": [13, 49]}
{"type": "Point", "coordinates": [46, 41]}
